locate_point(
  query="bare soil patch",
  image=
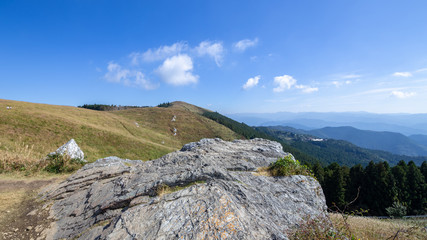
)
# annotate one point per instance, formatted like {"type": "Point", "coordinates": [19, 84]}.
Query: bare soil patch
{"type": "Point", "coordinates": [21, 214]}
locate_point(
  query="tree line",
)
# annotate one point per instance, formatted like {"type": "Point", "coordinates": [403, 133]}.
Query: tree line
{"type": "Point", "coordinates": [377, 186]}
{"type": "Point", "coordinates": [105, 107]}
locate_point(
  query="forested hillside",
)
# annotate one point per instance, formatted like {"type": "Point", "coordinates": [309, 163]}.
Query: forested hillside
{"type": "Point", "coordinates": [250, 132]}
{"type": "Point", "coordinates": [393, 142]}
{"type": "Point", "coordinates": [379, 186]}
{"type": "Point", "coordinates": [330, 150]}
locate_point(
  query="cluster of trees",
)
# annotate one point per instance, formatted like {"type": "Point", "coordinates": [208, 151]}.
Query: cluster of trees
{"type": "Point", "coordinates": [165, 104]}
{"type": "Point", "coordinates": [239, 128]}
{"type": "Point", "coordinates": [104, 107]}
{"type": "Point", "coordinates": [377, 186]}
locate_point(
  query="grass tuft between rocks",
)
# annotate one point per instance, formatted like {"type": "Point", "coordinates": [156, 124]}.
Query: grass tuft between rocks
{"type": "Point", "coordinates": [286, 166]}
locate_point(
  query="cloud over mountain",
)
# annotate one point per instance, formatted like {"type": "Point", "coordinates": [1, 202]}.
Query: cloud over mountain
{"type": "Point", "coordinates": [158, 54]}
{"type": "Point", "coordinates": [177, 70]}
{"type": "Point", "coordinates": [118, 74]}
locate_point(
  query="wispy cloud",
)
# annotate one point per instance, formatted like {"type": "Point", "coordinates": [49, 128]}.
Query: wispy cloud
{"type": "Point", "coordinates": [212, 49]}
{"type": "Point", "coordinates": [402, 95]}
{"type": "Point", "coordinates": [242, 45]}
{"type": "Point", "coordinates": [177, 71]}
{"type": "Point", "coordinates": [402, 74]}
{"type": "Point", "coordinates": [158, 54]}
{"type": "Point", "coordinates": [141, 81]}
{"type": "Point", "coordinates": [307, 89]}
{"type": "Point", "coordinates": [252, 82]}
{"type": "Point", "coordinates": [341, 83]}
{"type": "Point", "coordinates": [350, 76]}
{"type": "Point", "coordinates": [117, 74]}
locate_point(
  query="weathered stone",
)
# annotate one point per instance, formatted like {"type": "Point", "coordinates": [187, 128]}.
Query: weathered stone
{"type": "Point", "coordinates": [70, 149]}
{"type": "Point", "coordinates": [211, 193]}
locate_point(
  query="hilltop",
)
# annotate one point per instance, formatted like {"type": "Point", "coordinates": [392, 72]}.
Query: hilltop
{"type": "Point", "coordinates": [136, 133]}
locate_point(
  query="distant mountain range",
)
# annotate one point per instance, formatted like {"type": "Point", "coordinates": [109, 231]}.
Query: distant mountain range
{"type": "Point", "coordinates": [407, 124]}
{"type": "Point", "coordinates": [327, 151]}
{"type": "Point", "coordinates": [396, 143]}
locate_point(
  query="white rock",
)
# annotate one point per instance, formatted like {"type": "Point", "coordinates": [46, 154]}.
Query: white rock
{"type": "Point", "coordinates": [70, 149]}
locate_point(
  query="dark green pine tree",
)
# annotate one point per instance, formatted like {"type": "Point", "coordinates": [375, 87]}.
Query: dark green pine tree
{"type": "Point", "coordinates": [424, 170]}
{"type": "Point", "coordinates": [378, 191]}
{"type": "Point", "coordinates": [334, 186]}
{"type": "Point", "coordinates": [319, 173]}
{"type": "Point", "coordinates": [399, 174]}
{"type": "Point", "coordinates": [416, 189]}
{"type": "Point", "coordinates": [390, 183]}
{"type": "Point", "coordinates": [355, 182]}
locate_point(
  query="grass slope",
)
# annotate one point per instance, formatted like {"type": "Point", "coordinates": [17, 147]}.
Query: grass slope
{"type": "Point", "coordinates": [143, 133]}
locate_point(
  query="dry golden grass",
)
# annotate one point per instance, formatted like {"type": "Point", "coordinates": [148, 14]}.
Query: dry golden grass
{"type": "Point", "coordinates": [21, 157]}
{"type": "Point", "coordinates": [262, 171]}
{"type": "Point", "coordinates": [371, 228]}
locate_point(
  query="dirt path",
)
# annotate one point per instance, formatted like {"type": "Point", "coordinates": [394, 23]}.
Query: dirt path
{"type": "Point", "coordinates": [21, 215]}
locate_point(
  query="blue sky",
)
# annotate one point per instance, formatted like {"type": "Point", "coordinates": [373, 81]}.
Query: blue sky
{"type": "Point", "coordinates": [228, 56]}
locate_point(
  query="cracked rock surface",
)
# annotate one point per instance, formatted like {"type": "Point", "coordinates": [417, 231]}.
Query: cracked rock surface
{"type": "Point", "coordinates": [207, 190]}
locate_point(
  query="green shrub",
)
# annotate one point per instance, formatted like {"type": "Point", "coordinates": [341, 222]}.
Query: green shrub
{"type": "Point", "coordinates": [396, 210]}
{"type": "Point", "coordinates": [58, 163]}
{"type": "Point", "coordinates": [287, 166]}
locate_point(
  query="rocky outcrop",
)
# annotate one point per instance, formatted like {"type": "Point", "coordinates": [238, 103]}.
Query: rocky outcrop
{"type": "Point", "coordinates": [208, 190]}
{"type": "Point", "coordinates": [71, 150]}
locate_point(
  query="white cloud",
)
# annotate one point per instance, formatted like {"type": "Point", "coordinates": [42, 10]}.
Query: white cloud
{"type": "Point", "coordinates": [350, 76]}
{"type": "Point", "coordinates": [340, 83]}
{"type": "Point", "coordinates": [161, 53]}
{"type": "Point", "coordinates": [177, 70]}
{"type": "Point", "coordinates": [287, 82]}
{"type": "Point", "coordinates": [402, 95]}
{"type": "Point", "coordinates": [307, 89]}
{"type": "Point", "coordinates": [117, 74]}
{"type": "Point", "coordinates": [142, 82]}
{"type": "Point", "coordinates": [242, 45]}
{"type": "Point", "coordinates": [212, 49]}
{"type": "Point", "coordinates": [402, 74]}
{"type": "Point", "coordinates": [283, 82]}
{"type": "Point", "coordinates": [252, 82]}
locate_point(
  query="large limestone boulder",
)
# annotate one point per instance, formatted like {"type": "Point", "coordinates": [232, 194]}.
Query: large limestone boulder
{"type": "Point", "coordinates": [208, 190]}
{"type": "Point", "coordinates": [70, 149]}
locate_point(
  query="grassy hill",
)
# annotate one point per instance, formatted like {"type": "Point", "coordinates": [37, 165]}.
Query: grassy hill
{"type": "Point", "coordinates": [31, 130]}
